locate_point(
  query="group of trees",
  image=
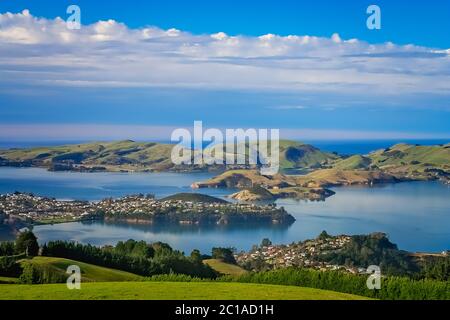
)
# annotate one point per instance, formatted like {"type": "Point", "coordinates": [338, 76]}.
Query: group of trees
{"type": "Point", "coordinates": [437, 268]}
{"type": "Point", "coordinates": [392, 288]}
{"type": "Point", "coordinates": [373, 249]}
{"type": "Point", "coordinates": [133, 256]}
{"type": "Point", "coordinates": [224, 254]}
{"type": "Point", "coordinates": [10, 252]}
{"type": "Point", "coordinates": [26, 243]}
{"type": "Point", "coordinates": [136, 257]}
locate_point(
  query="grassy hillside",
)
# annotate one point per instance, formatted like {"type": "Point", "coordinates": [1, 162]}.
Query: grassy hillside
{"type": "Point", "coordinates": [89, 272]}
{"type": "Point", "coordinates": [353, 163]}
{"type": "Point", "coordinates": [278, 185]}
{"type": "Point", "coordinates": [169, 291]}
{"type": "Point", "coordinates": [6, 280]}
{"type": "Point", "coordinates": [138, 156]}
{"type": "Point", "coordinates": [297, 155]}
{"type": "Point", "coordinates": [194, 197]}
{"type": "Point", "coordinates": [256, 193]}
{"type": "Point", "coordinates": [120, 155]}
{"type": "Point", "coordinates": [414, 161]}
{"type": "Point", "coordinates": [407, 154]}
{"type": "Point", "coordinates": [337, 177]}
{"type": "Point", "coordinates": [225, 268]}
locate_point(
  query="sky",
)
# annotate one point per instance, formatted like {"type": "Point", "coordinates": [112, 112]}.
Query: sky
{"type": "Point", "coordinates": [139, 69]}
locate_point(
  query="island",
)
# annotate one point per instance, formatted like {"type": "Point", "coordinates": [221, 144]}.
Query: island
{"type": "Point", "coordinates": [401, 162]}
{"type": "Point", "coordinates": [184, 208]}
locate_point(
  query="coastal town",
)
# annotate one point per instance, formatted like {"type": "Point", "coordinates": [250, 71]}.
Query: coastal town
{"type": "Point", "coordinates": [188, 210]}
{"type": "Point", "coordinates": [301, 254]}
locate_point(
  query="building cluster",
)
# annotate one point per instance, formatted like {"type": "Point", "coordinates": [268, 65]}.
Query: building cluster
{"type": "Point", "coordinates": [141, 205]}
{"type": "Point", "coordinates": [302, 254]}
{"type": "Point", "coordinates": [35, 208]}
{"type": "Point", "coordinates": [41, 209]}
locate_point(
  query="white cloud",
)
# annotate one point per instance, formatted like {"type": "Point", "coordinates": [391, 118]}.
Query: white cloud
{"type": "Point", "coordinates": [109, 53]}
{"type": "Point", "coordinates": [293, 107]}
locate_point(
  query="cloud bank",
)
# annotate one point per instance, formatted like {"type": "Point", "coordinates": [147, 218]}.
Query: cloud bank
{"type": "Point", "coordinates": [44, 52]}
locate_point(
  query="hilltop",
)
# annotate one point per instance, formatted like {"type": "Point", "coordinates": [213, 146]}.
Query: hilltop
{"type": "Point", "coordinates": [90, 273]}
{"type": "Point", "coordinates": [256, 186]}
{"type": "Point", "coordinates": [193, 197]}
{"type": "Point", "coordinates": [414, 162]}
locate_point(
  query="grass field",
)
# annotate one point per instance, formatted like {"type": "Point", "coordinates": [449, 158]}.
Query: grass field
{"type": "Point", "coordinates": [224, 268]}
{"type": "Point", "coordinates": [8, 280]}
{"type": "Point", "coordinates": [89, 272]}
{"type": "Point", "coordinates": [167, 291]}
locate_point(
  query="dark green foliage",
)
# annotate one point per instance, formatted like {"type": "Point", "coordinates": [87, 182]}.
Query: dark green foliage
{"type": "Point", "coordinates": [134, 248]}
{"type": "Point", "coordinates": [9, 267]}
{"type": "Point", "coordinates": [323, 235]}
{"type": "Point", "coordinates": [374, 249]}
{"type": "Point", "coordinates": [132, 256]}
{"type": "Point", "coordinates": [224, 254]}
{"type": "Point", "coordinates": [196, 256]}
{"type": "Point", "coordinates": [436, 268]}
{"type": "Point", "coordinates": [266, 242]}
{"type": "Point", "coordinates": [34, 274]}
{"type": "Point", "coordinates": [7, 248]}
{"type": "Point", "coordinates": [26, 242]}
{"type": "Point", "coordinates": [392, 288]}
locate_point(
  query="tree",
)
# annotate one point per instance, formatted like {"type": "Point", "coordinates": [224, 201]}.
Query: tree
{"type": "Point", "coordinates": [26, 242]}
{"type": "Point", "coordinates": [266, 242]}
{"type": "Point", "coordinates": [224, 254]}
{"type": "Point", "coordinates": [323, 235]}
{"type": "Point", "coordinates": [196, 256]}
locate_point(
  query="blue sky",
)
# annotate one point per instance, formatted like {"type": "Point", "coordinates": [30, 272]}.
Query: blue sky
{"type": "Point", "coordinates": [311, 68]}
{"type": "Point", "coordinates": [404, 21]}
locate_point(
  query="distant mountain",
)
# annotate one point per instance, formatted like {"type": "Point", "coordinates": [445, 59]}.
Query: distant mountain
{"type": "Point", "coordinates": [95, 156]}
{"type": "Point", "coordinates": [297, 155]}
{"type": "Point", "coordinates": [413, 161]}
{"type": "Point", "coordinates": [293, 156]}
{"type": "Point", "coordinates": [129, 155]}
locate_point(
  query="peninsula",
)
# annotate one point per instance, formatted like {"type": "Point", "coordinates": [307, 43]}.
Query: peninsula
{"type": "Point", "coordinates": [185, 208]}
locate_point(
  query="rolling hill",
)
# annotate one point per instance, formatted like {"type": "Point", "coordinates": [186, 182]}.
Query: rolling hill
{"type": "Point", "coordinates": [225, 268]}
{"type": "Point", "coordinates": [97, 156]}
{"type": "Point", "coordinates": [194, 197]}
{"type": "Point", "coordinates": [129, 155]}
{"type": "Point", "coordinates": [89, 272]}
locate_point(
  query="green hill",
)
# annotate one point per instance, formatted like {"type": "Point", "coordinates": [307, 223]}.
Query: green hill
{"type": "Point", "coordinates": [113, 156]}
{"type": "Point", "coordinates": [225, 268]}
{"type": "Point", "coordinates": [414, 161]}
{"type": "Point", "coordinates": [89, 272]}
{"type": "Point", "coordinates": [297, 155]}
{"type": "Point", "coordinates": [129, 155]}
{"type": "Point", "coordinates": [194, 197]}
{"type": "Point", "coordinates": [168, 291]}
{"type": "Point", "coordinates": [407, 154]}
{"type": "Point", "coordinates": [293, 154]}
{"type": "Point", "coordinates": [353, 163]}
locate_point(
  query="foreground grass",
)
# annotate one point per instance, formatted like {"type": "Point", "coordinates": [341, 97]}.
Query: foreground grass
{"type": "Point", "coordinates": [225, 268]}
{"type": "Point", "coordinates": [168, 291]}
{"type": "Point", "coordinates": [89, 272]}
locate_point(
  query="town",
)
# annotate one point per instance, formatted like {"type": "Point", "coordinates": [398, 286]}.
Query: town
{"type": "Point", "coordinates": [301, 254]}
{"type": "Point", "coordinates": [185, 209]}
